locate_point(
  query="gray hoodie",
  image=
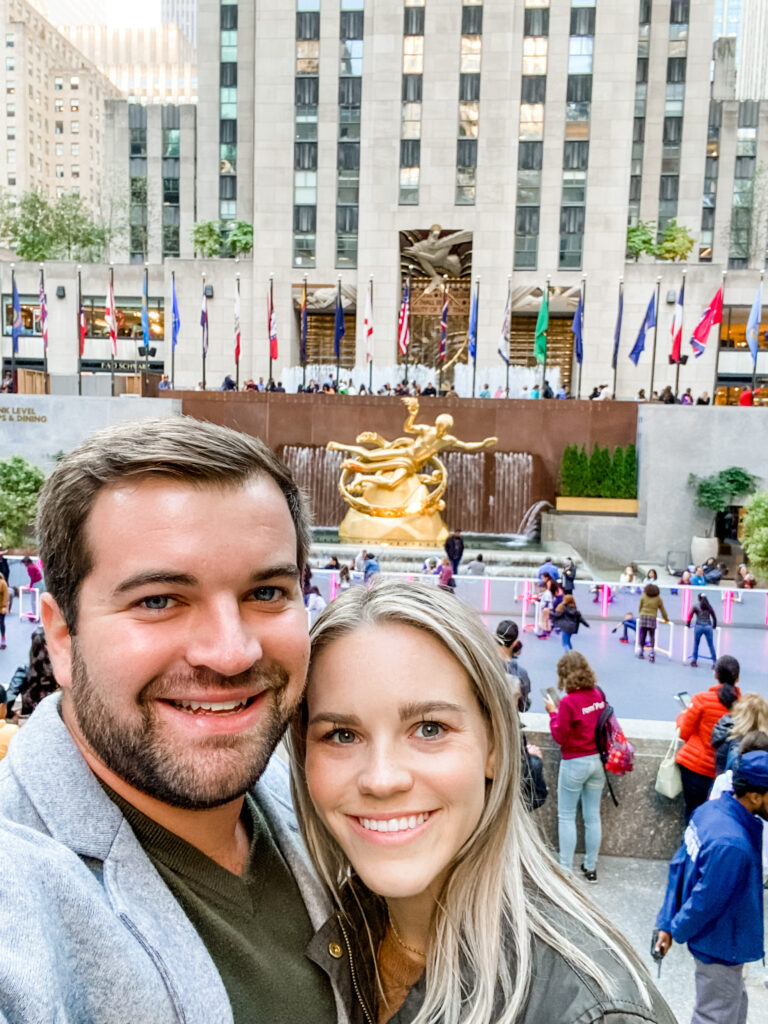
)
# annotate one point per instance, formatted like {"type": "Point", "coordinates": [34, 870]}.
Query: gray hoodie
{"type": "Point", "coordinates": [93, 935]}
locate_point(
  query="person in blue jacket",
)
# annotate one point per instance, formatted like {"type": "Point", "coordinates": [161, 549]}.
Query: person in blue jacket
{"type": "Point", "coordinates": [714, 897]}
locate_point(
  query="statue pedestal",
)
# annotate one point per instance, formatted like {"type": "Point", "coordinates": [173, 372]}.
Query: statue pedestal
{"type": "Point", "coordinates": [414, 527]}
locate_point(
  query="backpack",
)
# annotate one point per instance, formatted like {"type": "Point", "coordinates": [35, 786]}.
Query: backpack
{"type": "Point", "coordinates": [616, 752]}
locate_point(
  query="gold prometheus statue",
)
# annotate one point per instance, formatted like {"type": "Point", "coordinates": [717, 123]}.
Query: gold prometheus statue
{"type": "Point", "coordinates": [395, 489]}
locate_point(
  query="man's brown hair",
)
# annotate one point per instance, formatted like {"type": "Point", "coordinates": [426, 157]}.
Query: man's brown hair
{"type": "Point", "coordinates": [178, 448]}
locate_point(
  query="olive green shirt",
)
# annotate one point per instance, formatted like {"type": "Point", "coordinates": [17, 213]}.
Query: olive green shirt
{"type": "Point", "coordinates": [255, 925]}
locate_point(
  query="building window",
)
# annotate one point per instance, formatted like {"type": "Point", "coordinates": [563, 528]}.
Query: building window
{"type": "Point", "coordinates": [58, 83]}
{"type": "Point", "coordinates": [411, 93]}
{"type": "Point", "coordinates": [74, 127]}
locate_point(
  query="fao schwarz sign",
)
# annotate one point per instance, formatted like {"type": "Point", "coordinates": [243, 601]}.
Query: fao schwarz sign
{"type": "Point", "coordinates": [20, 414]}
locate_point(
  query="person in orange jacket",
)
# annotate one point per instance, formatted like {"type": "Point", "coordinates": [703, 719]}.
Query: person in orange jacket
{"type": "Point", "coordinates": [696, 757]}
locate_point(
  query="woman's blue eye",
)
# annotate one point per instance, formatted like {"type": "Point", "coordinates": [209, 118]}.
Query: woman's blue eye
{"type": "Point", "coordinates": [343, 736]}
{"type": "Point", "coordinates": [156, 603]}
{"type": "Point", "coordinates": [429, 730]}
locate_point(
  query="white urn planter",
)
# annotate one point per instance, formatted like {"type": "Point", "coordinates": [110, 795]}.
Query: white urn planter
{"type": "Point", "coordinates": [703, 548]}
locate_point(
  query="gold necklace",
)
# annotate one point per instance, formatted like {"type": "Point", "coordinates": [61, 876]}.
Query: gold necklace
{"type": "Point", "coordinates": [400, 942]}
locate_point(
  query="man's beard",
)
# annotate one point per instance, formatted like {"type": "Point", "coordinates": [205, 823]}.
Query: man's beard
{"type": "Point", "coordinates": [202, 773]}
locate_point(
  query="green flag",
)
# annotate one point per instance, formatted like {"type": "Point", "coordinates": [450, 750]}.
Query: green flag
{"type": "Point", "coordinates": [542, 323]}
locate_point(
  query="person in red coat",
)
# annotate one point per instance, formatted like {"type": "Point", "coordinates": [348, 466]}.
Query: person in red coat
{"type": "Point", "coordinates": [697, 756]}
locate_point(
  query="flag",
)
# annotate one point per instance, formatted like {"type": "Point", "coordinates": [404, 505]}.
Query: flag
{"type": "Point", "coordinates": [677, 327]}
{"type": "Point", "coordinates": [43, 313]}
{"type": "Point", "coordinates": [145, 313]}
{"type": "Point", "coordinates": [617, 331]}
{"type": "Point", "coordinates": [271, 323]}
{"type": "Point", "coordinates": [542, 323]}
{"type": "Point", "coordinates": [444, 327]}
{"type": "Point", "coordinates": [578, 330]}
{"type": "Point", "coordinates": [16, 323]}
{"type": "Point", "coordinates": [304, 325]}
{"type": "Point", "coordinates": [753, 323]}
{"type": "Point", "coordinates": [176, 319]}
{"type": "Point", "coordinates": [368, 323]}
{"type": "Point", "coordinates": [204, 322]}
{"type": "Point", "coordinates": [338, 325]}
{"type": "Point", "coordinates": [649, 321]}
{"type": "Point", "coordinates": [505, 324]}
{"type": "Point", "coordinates": [404, 321]}
{"type": "Point", "coordinates": [237, 323]}
{"type": "Point", "coordinates": [473, 324]}
{"type": "Point", "coordinates": [110, 315]}
{"type": "Point", "coordinates": [83, 329]}
{"type": "Point", "coordinates": [712, 315]}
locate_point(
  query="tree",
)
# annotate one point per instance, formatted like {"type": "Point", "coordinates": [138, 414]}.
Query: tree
{"type": "Point", "coordinates": [629, 489]}
{"type": "Point", "coordinates": [206, 238]}
{"type": "Point", "coordinates": [568, 470]}
{"type": "Point", "coordinates": [641, 238]}
{"type": "Point", "coordinates": [32, 226]}
{"type": "Point", "coordinates": [240, 239]}
{"type": "Point", "coordinates": [20, 484]}
{"type": "Point", "coordinates": [113, 216]}
{"type": "Point", "coordinates": [76, 234]}
{"type": "Point", "coordinates": [716, 492]}
{"type": "Point", "coordinates": [676, 242]}
{"type": "Point", "coordinates": [615, 486]}
{"type": "Point", "coordinates": [599, 471]}
{"type": "Point", "coordinates": [754, 533]}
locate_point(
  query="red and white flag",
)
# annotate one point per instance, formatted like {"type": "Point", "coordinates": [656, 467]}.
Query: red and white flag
{"type": "Point", "coordinates": [83, 329]}
{"type": "Point", "coordinates": [110, 315]}
{"type": "Point", "coordinates": [368, 324]}
{"type": "Point", "coordinates": [713, 314]}
{"type": "Point", "coordinates": [43, 313]}
{"type": "Point", "coordinates": [404, 320]}
{"type": "Point", "coordinates": [271, 323]}
{"type": "Point", "coordinates": [237, 323]}
{"type": "Point", "coordinates": [677, 326]}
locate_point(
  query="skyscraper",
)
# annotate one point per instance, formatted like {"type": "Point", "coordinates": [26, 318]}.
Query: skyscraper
{"type": "Point", "coordinates": [181, 13]}
{"type": "Point", "coordinates": [73, 12]}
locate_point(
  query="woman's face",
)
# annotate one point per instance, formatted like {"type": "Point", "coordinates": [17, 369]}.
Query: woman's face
{"type": "Point", "coordinates": [398, 754]}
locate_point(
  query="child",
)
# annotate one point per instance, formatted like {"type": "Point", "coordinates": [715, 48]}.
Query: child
{"type": "Point", "coordinates": [629, 622]}
{"type": "Point", "coordinates": [568, 617]}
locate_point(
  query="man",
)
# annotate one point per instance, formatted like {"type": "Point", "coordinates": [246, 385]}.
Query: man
{"type": "Point", "coordinates": [510, 646]}
{"type": "Point", "coordinates": [164, 383]}
{"type": "Point", "coordinates": [429, 391]}
{"type": "Point", "coordinates": [149, 846]}
{"type": "Point", "coordinates": [569, 575]}
{"type": "Point", "coordinates": [477, 566]}
{"type": "Point", "coordinates": [454, 548]}
{"type": "Point", "coordinates": [548, 568]}
{"type": "Point", "coordinates": [714, 898]}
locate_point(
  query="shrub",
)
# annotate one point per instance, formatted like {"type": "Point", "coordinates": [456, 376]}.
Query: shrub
{"type": "Point", "coordinates": [754, 533]}
{"type": "Point", "coordinates": [568, 470]}
{"type": "Point", "coordinates": [629, 475]}
{"type": "Point", "coordinates": [20, 484]}
{"type": "Point", "coordinates": [599, 472]}
{"type": "Point", "coordinates": [615, 488]}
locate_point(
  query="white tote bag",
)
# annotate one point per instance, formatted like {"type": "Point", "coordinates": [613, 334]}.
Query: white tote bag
{"type": "Point", "coordinates": [668, 780]}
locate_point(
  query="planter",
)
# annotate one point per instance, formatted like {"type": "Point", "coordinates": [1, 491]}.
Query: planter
{"type": "Point", "coordinates": [703, 548]}
{"type": "Point", "coordinates": [600, 506]}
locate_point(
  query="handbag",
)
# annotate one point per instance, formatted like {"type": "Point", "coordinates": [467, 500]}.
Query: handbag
{"type": "Point", "coordinates": [668, 779]}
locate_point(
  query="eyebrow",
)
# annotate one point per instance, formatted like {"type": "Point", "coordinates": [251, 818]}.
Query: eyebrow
{"type": "Point", "coordinates": [166, 578]}
{"type": "Point", "coordinates": [414, 709]}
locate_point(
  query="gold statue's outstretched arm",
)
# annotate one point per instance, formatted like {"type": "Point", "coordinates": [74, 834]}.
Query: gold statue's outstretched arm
{"type": "Point", "coordinates": [470, 446]}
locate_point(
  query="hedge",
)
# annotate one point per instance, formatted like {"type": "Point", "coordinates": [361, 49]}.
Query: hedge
{"type": "Point", "coordinates": [599, 475]}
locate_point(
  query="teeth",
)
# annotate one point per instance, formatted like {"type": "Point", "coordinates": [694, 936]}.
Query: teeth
{"type": "Point", "coordinates": [194, 705]}
{"type": "Point", "coordinates": [393, 824]}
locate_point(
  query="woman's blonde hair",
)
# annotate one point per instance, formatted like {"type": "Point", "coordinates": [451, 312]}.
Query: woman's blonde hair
{"type": "Point", "coordinates": [750, 713]}
{"type": "Point", "coordinates": [504, 885]}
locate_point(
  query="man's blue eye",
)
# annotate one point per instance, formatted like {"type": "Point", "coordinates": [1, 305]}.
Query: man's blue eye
{"type": "Point", "coordinates": [266, 593]}
{"type": "Point", "coordinates": [156, 603]}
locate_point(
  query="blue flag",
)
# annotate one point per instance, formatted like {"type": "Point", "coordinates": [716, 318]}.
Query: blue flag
{"type": "Point", "coordinates": [617, 332]}
{"type": "Point", "coordinates": [16, 323]}
{"type": "Point", "coordinates": [753, 323]}
{"type": "Point", "coordinates": [578, 328]}
{"type": "Point", "coordinates": [649, 321]}
{"type": "Point", "coordinates": [176, 322]}
{"type": "Point", "coordinates": [473, 325]}
{"type": "Point", "coordinates": [145, 313]}
{"type": "Point", "coordinates": [338, 325]}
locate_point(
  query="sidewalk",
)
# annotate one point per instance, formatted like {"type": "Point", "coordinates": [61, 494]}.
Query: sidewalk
{"type": "Point", "coordinates": [630, 892]}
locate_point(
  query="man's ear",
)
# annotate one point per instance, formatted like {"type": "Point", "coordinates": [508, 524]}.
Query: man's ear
{"type": "Point", "coordinates": [59, 640]}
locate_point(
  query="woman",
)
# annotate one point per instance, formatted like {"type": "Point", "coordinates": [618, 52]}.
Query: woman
{"type": "Point", "coordinates": [581, 777]}
{"type": "Point", "coordinates": [409, 800]}
{"type": "Point", "coordinates": [750, 714]}
{"type": "Point", "coordinates": [647, 613]}
{"type": "Point", "coordinates": [628, 576]}
{"type": "Point", "coordinates": [568, 618]}
{"type": "Point", "coordinates": [698, 579]}
{"type": "Point", "coordinates": [651, 576]}
{"type": "Point", "coordinates": [706, 624]}
{"type": "Point", "coordinates": [696, 757]}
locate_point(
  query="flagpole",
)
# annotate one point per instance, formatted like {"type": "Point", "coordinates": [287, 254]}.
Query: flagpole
{"type": "Point", "coordinates": [237, 360]}
{"type": "Point", "coordinates": [759, 317]}
{"type": "Point", "coordinates": [717, 350]}
{"type": "Point", "coordinates": [79, 308]}
{"type": "Point", "coordinates": [655, 334]}
{"type": "Point", "coordinates": [680, 359]}
{"type": "Point", "coordinates": [14, 341]}
{"type": "Point", "coordinates": [203, 340]}
{"type": "Point", "coordinates": [173, 347]}
{"type": "Point", "coordinates": [113, 344]}
{"type": "Point", "coordinates": [370, 365]}
{"type": "Point", "coordinates": [440, 357]}
{"type": "Point", "coordinates": [509, 290]}
{"type": "Point", "coordinates": [546, 345]}
{"type": "Point", "coordinates": [269, 320]}
{"type": "Point", "coordinates": [146, 299]}
{"type": "Point", "coordinates": [338, 344]}
{"type": "Point", "coordinates": [477, 317]}
{"type": "Point", "coordinates": [616, 360]}
{"type": "Point", "coordinates": [408, 345]}
{"type": "Point", "coordinates": [581, 325]}
{"type": "Point", "coordinates": [303, 336]}
{"type": "Point", "coordinates": [43, 328]}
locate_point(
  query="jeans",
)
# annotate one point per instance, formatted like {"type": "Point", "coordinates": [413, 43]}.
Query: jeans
{"type": "Point", "coordinates": [580, 778]}
{"type": "Point", "coordinates": [626, 625]}
{"type": "Point", "coordinates": [565, 639]}
{"type": "Point", "coordinates": [707, 632]}
{"type": "Point", "coordinates": [650, 634]}
{"type": "Point", "coordinates": [455, 563]}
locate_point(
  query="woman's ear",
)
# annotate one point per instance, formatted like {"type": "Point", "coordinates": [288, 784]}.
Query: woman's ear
{"type": "Point", "coordinates": [490, 764]}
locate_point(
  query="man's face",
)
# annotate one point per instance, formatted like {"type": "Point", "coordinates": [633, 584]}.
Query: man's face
{"type": "Point", "coordinates": [191, 646]}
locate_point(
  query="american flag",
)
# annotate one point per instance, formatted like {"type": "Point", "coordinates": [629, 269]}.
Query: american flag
{"type": "Point", "coordinates": [43, 313]}
{"type": "Point", "coordinates": [404, 320]}
{"type": "Point", "coordinates": [110, 315]}
{"type": "Point", "coordinates": [444, 326]}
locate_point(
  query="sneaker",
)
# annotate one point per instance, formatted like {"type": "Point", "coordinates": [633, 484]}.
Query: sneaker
{"type": "Point", "coordinates": [2, 646]}
{"type": "Point", "coordinates": [623, 641]}
{"type": "Point", "coordinates": [641, 656]}
{"type": "Point", "coordinates": [694, 664]}
{"type": "Point", "coordinates": [590, 876]}
{"type": "Point", "coordinates": [651, 656]}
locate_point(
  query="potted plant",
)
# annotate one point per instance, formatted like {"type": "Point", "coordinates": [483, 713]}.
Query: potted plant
{"type": "Point", "coordinates": [714, 494]}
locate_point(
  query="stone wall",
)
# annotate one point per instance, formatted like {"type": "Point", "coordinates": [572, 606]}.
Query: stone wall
{"type": "Point", "coordinates": [644, 824]}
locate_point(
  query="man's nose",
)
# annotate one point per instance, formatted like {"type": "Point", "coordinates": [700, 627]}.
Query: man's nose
{"type": "Point", "coordinates": [223, 640]}
{"type": "Point", "coordinates": [385, 772]}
